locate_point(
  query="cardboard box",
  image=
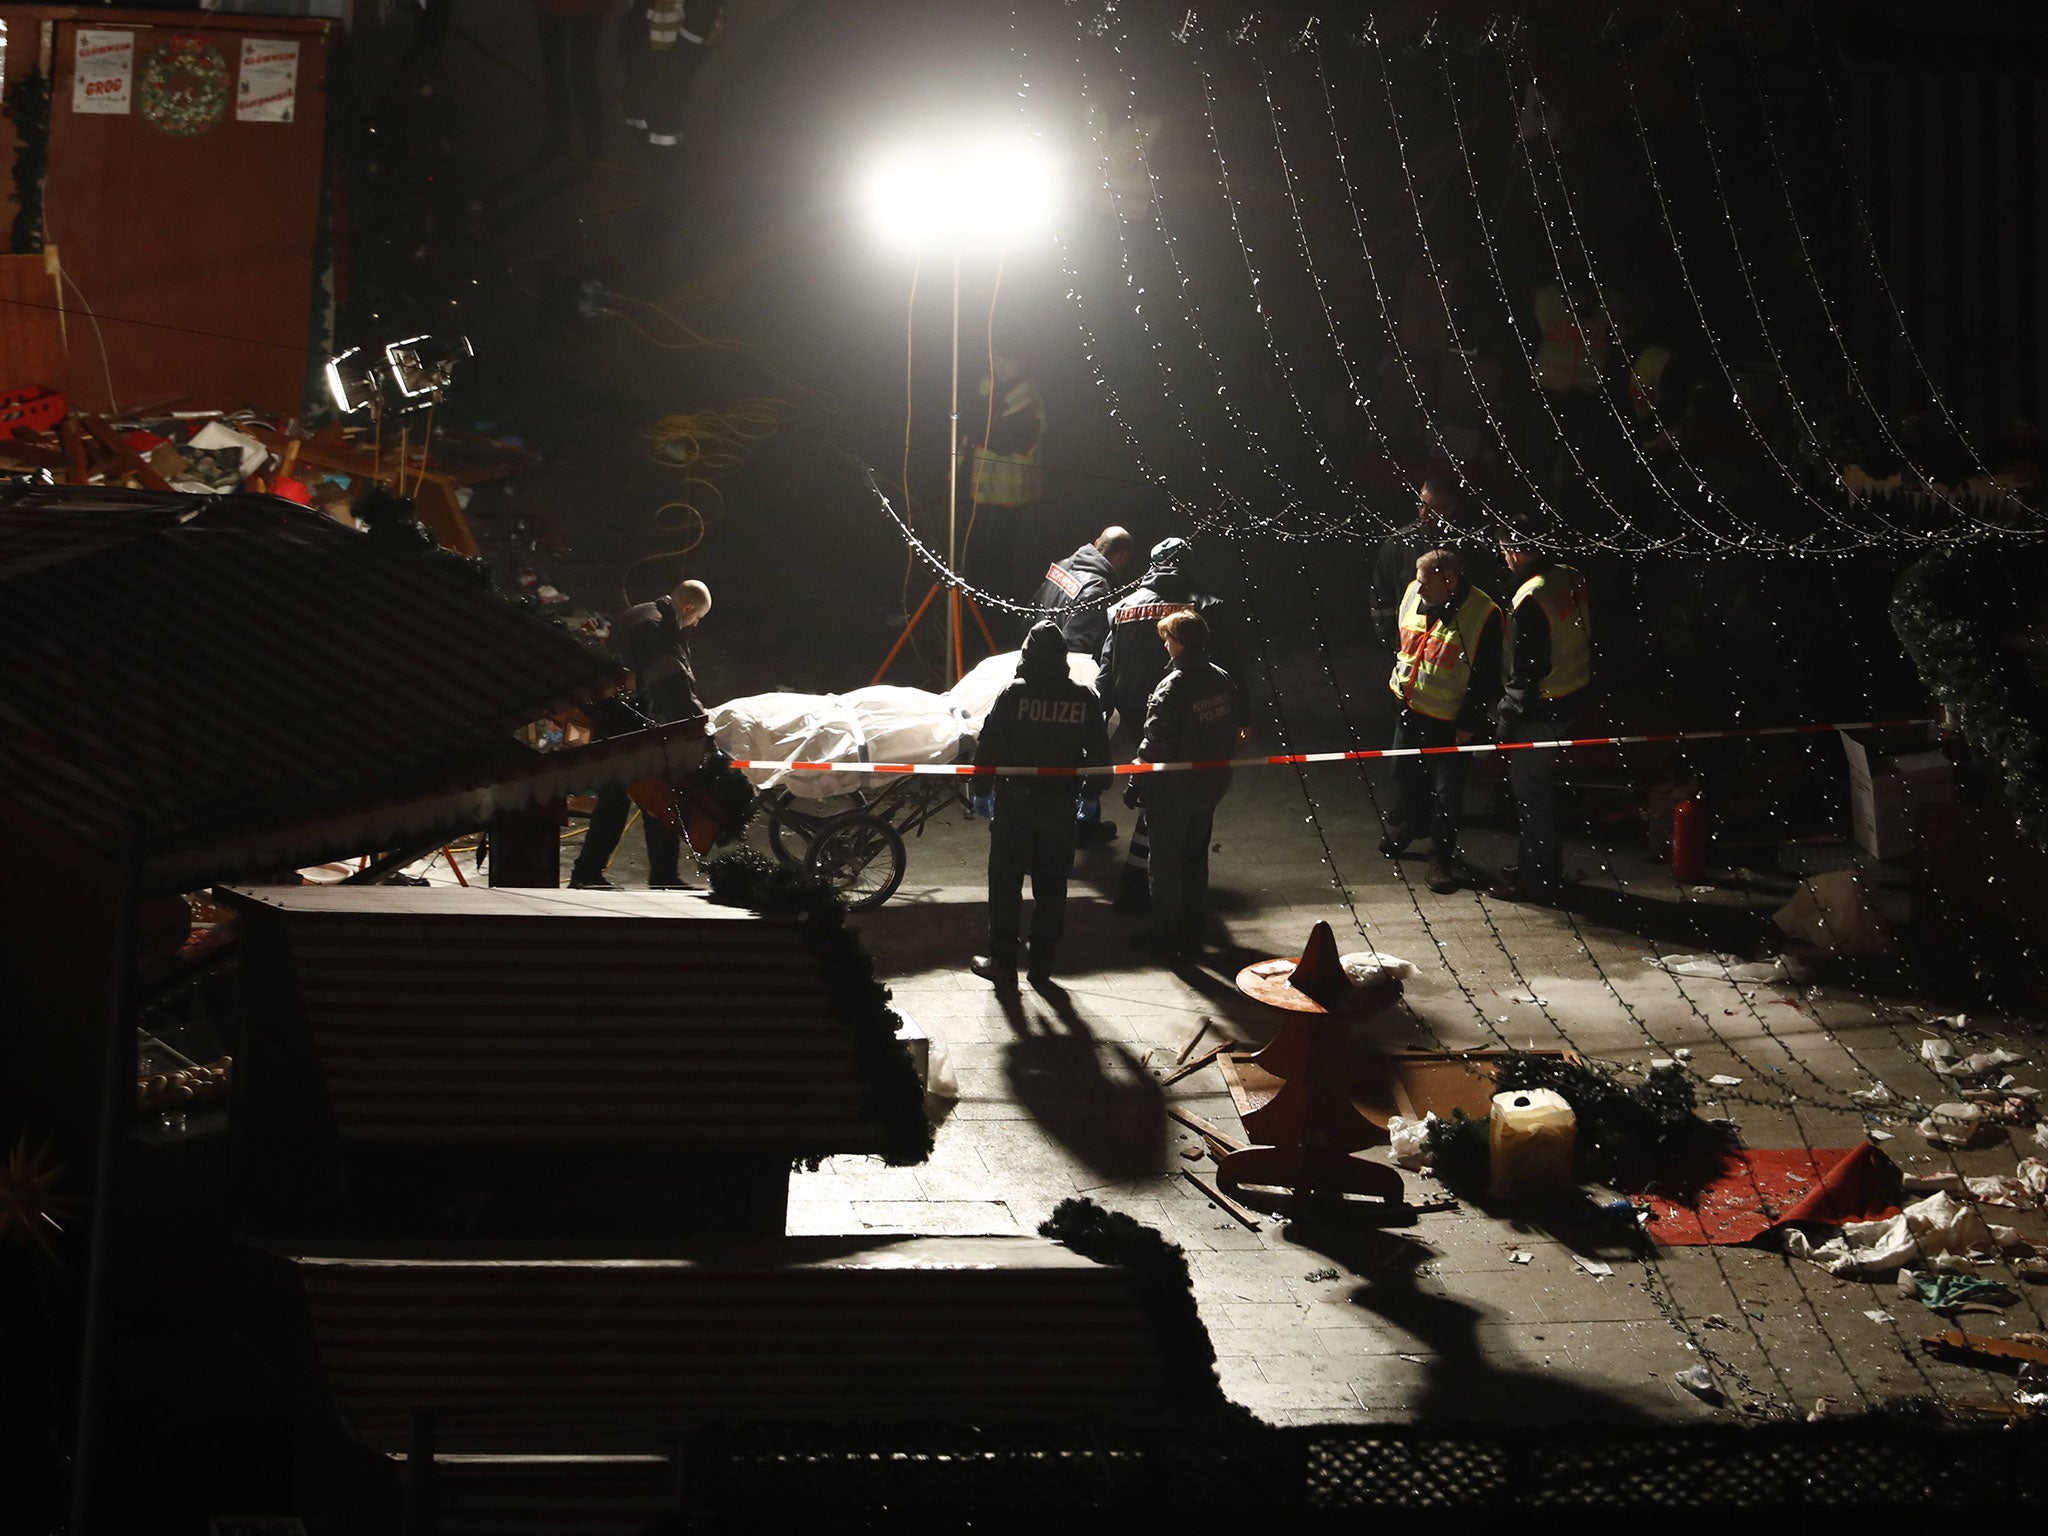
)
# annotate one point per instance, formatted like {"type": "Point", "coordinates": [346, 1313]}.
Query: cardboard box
{"type": "Point", "coordinates": [1885, 788]}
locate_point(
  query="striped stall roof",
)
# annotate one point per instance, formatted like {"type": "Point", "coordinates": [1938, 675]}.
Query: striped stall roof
{"type": "Point", "coordinates": [204, 659]}
{"type": "Point", "coordinates": [441, 1015]}
{"type": "Point", "coordinates": [563, 1355]}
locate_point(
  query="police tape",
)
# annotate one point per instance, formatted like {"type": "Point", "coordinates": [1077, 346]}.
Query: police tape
{"type": "Point", "coordinates": [1284, 759]}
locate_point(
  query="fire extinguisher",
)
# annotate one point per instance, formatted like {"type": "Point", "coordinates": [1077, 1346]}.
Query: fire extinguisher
{"type": "Point", "coordinates": [1688, 842]}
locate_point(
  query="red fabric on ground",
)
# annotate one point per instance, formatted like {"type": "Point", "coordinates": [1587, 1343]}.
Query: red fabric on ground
{"type": "Point", "coordinates": [1744, 1193]}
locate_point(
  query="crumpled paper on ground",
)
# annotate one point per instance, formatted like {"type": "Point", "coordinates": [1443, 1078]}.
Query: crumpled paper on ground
{"type": "Point", "coordinates": [1955, 1125]}
{"type": "Point", "coordinates": [1364, 967]}
{"type": "Point", "coordinates": [1721, 967]}
{"type": "Point", "coordinates": [2024, 1189]}
{"type": "Point", "coordinates": [1410, 1139]}
{"type": "Point", "coordinates": [1940, 1231]}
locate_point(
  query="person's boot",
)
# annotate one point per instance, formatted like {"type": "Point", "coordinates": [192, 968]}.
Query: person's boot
{"type": "Point", "coordinates": [1039, 967]}
{"type": "Point", "coordinates": [991, 969]}
{"type": "Point", "coordinates": [1397, 839]}
{"type": "Point", "coordinates": [1443, 874]}
{"type": "Point", "coordinates": [580, 881]}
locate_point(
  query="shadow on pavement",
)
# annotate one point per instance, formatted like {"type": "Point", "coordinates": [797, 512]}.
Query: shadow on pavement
{"type": "Point", "coordinates": [1094, 1097]}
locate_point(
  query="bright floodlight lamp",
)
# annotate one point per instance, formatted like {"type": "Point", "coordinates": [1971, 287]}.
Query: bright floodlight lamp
{"type": "Point", "coordinates": [970, 194]}
{"type": "Point", "coordinates": [967, 193]}
{"type": "Point", "coordinates": [423, 366]}
{"type": "Point", "coordinates": [352, 381]}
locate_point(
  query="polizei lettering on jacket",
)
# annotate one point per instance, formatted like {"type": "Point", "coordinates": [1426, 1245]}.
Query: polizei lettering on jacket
{"type": "Point", "coordinates": [1053, 711]}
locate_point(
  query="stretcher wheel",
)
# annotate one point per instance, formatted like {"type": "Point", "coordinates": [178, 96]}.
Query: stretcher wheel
{"type": "Point", "coordinates": [786, 839]}
{"type": "Point", "coordinates": [861, 857]}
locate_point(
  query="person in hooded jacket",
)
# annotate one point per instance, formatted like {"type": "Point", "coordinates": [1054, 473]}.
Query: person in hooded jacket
{"type": "Point", "coordinates": [1132, 661]}
{"type": "Point", "coordinates": [1042, 720]}
{"type": "Point", "coordinates": [1194, 715]}
{"type": "Point", "coordinates": [1081, 583]}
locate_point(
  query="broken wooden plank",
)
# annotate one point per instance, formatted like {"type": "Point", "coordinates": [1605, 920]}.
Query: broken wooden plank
{"type": "Point", "coordinates": [1982, 1347]}
{"type": "Point", "coordinates": [1229, 1206]}
{"type": "Point", "coordinates": [1201, 1029]}
{"type": "Point", "coordinates": [1192, 1154]}
{"type": "Point", "coordinates": [1199, 1062]}
{"type": "Point", "coordinates": [1223, 1141]}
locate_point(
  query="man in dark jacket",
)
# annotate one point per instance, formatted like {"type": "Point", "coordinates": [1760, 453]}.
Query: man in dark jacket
{"type": "Point", "coordinates": [1132, 661]}
{"type": "Point", "coordinates": [1043, 720]}
{"type": "Point", "coordinates": [653, 639]}
{"type": "Point", "coordinates": [1194, 715]}
{"type": "Point", "coordinates": [1549, 680]}
{"type": "Point", "coordinates": [1081, 583]}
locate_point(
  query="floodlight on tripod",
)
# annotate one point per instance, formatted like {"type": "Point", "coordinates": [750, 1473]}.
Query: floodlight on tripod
{"type": "Point", "coordinates": [354, 381]}
{"type": "Point", "coordinates": [422, 366]}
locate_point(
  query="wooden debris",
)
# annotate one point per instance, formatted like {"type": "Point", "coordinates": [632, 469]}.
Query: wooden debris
{"type": "Point", "coordinates": [1200, 1061]}
{"type": "Point", "coordinates": [1980, 1347]}
{"type": "Point", "coordinates": [1229, 1206]}
{"type": "Point", "coordinates": [1192, 1154]}
{"type": "Point", "coordinates": [1219, 1141]}
{"type": "Point", "coordinates": [1201, 1029]}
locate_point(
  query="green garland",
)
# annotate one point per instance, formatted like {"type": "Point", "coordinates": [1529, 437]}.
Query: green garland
{"type": "Point", "coordinates": [29, 105]}
{"type": "Point", "coordinates": [1160, 1270]}
{"type": "Point", "coordinates": [1620, 1128]}
{"type": "Point", "coordinates": [730, 793]}
{"type": "Point", "coordinates": [745, 878]}
{"type": "Point", "coordinates": [1945, 610]}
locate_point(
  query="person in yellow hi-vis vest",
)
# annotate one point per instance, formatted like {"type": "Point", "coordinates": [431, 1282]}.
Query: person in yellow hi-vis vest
{"type": "Point", "coordinates": [1547, 683]}
{"type": "Point", "coordinates": [1447, 674]}
{"type": "Point", "coordinates": [1004, 473]}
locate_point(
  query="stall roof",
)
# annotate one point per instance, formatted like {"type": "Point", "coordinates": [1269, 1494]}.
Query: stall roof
{"type": "Point", "coordinates": [242, 662]}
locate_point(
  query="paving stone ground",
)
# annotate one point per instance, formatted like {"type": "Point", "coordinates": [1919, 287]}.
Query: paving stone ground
{"type": "Point", "coordinates": [1059, 1095]}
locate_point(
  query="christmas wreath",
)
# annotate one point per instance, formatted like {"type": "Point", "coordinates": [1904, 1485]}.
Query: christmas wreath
{"type": "Point", "coordinates": [183, 87]}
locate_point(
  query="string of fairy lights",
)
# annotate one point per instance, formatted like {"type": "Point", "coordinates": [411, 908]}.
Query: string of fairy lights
{"type": "Point", "coordinates": [1275, 505]}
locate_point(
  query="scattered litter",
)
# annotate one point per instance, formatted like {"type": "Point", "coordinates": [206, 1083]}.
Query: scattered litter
{"type": "Point", "coordinates": [1722, 1080]}
{"type": "Point", "coordinates": [1320, 1274]}
{"type": "Point", "coordinates": [1820, 1410]}
{"type": "Point", "coordinates": [2041, 1134]}
{"type": "Point", "coordinates": [1954, 1125]}
{"type": "Point", "coordinates": [1364, 967]}
{"type": "Point", "coordinates": [1659, 1063]}
{"type": "Point", "coordinates": [1699, 1381]}
{"type": "Point", "coordinates": [1716, 1320]}
{"type": "Point", "coordinates": [1410, 1139]}
{"type": "Point", "coordinates": [1880, 1135]}
{"type": "Point", "coordinates": [1521, 1256]}
{"type": "Point", "coordinates": [1523, 995]}
{"type": "Point", "coordinates": [1939, 1230]}
{"type": "Point", "coordinates": [1703, 890]}
{"type": "Point", "coordinates": [1836, 911]}
{"type": "Point", "coordinates": [1878, 1315]}
{"type": "Point", "coordinates": [1683, 1053]}
{"type": "Point", "coordinates": [1877, 1095]}
{"type": "Point", "coordinates": [1593, 1267]}
{"type": "Point", "coordinates": [1981, 1063]}
{"type": "Point", "coordinates": [1721, 967]}
{"type": "Point", "coordinates": [1947, 1293]}
{"type": "Point", "coordinates": [1938, 1054]}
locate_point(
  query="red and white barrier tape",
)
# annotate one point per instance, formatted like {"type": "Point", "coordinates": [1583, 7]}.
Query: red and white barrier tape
{"type": "Point", "coordinates": [968, 770]}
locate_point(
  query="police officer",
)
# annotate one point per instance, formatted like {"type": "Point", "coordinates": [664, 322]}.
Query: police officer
{"type": "Point", "coordinates": [1195, 714]}
{"type": "Point", "coordinates": [1446, 676]}
{"type": "Point", "coordinates": [1548, 681]}
{"type": "Point", "coordinates": [1043, 720]}
{"type": "Point", "coordinates": [1081, 584]}
{"type": "Point", "coordinates": [654, 640]}
{"type": "Point", "coordinates": [1133, 663]}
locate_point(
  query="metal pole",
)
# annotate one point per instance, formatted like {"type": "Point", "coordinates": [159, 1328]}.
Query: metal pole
{"type": "Point", "coordinates": [117, 1096]}
{"type": "Point", "coordinates": [953, 495]}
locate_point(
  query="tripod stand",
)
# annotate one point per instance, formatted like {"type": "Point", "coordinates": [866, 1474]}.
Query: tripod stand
{"type": "Point", "coordinates": [954, 598]}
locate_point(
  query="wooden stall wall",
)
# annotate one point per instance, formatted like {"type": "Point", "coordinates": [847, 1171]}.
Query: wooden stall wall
{"type": "Point", "coordinates": [184, 200]}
